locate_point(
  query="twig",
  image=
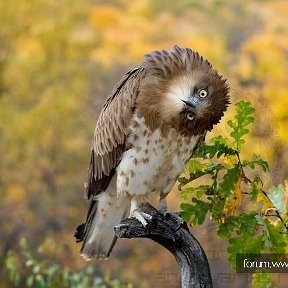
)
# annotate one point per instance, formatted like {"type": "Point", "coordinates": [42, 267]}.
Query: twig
{"type": "Point", "coordinates": [248, 180]}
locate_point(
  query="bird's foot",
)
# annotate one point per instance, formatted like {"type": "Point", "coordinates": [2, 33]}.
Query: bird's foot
{"type": "Point", "coordinates": [163, 206]}
{"type": "Point", "coordinates": [141, 217]}
{"type": "Point", "coordinates": [165, 211]}
{"type": "Point", "coordinates": [136, 212]}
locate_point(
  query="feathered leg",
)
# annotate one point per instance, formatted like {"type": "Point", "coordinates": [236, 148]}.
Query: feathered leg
{"type": "Point", "coordinates": [136, 213]}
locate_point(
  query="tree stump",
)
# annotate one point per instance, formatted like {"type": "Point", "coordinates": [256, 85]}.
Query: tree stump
{"type": "Point", "coordinates": [170, 231]}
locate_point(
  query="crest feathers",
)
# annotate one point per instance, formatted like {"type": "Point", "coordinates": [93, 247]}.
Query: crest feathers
{"type": "Point", "coordinates": [168, 63]}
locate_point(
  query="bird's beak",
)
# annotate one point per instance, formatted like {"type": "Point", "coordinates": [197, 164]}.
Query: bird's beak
{"type": "Point", "coordinates": [192, 102]}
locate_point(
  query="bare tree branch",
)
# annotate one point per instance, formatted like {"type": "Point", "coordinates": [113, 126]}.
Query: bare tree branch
{"type": "Point", "coordinates": [170, 231]}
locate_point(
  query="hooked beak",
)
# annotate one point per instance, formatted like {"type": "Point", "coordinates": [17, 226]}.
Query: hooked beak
{"type": "Point", "coordinates": [192, 102]}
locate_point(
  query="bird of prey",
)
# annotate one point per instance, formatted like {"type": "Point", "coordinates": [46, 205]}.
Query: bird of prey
{"type": "Point", "coordinates": [148, 128]}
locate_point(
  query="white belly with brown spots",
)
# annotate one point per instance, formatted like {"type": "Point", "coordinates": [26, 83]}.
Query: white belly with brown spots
{"type": "Point", "coordinates": [153, 162]}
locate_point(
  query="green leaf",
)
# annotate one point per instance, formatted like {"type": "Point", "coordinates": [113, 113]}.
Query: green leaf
{"type": "Point", "coordinates": [276, 240]}
{"type": "Point", "coordinates": [239, 124]}
{"type": "Point", "coordinates": [197, 192]}
{"type": "Point", "coordinates": [194, 165]}
{"type": "Point", "coordinates": [266, 239]}
{"type": "Point", "coordinates": [209, 169]}
{"type": "Point", "coordinates": [257, 160]}
{"type": "Point", "coordinates": [218, 148]}
{"type": "Point", "coordinates": [226, 228]}
{"type": "Point", "coordinates": [195, 175]}
{"type": "Point", "coordinates": [248, 223]}
{"type": "Point", "coordinates": [217, 207]}
{"type": "Point", "coordinates": [220, 139]}
{"type": "Point", "coordinates": [230, 179]}
{"type": "Point", "coordinates": [235, 225]}
{"type": "Point", "coordinates": [277, 197]}
{"type": "Point", "coordinates": [254, 187]}
{"type": "Point", "coordinates": [196, 212]}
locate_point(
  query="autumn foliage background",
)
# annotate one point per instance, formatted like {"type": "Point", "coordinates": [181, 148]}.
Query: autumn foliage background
{"type": "Point", "coordinates": [58, 62]}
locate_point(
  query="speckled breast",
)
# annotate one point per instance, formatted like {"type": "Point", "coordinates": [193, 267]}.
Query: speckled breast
{"type": "Point", "coordinates": [154, 161]}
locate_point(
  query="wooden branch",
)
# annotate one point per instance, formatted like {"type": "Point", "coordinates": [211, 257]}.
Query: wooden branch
{"type": "Point", "coordinates": [170, 231]}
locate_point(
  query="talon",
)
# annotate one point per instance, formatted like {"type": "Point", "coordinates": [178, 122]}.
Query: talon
{"type": "Point", "coordinates": [141, 216]}
{"type": "Point", "coordinates": [165, 211]}
{"type": "Point", "coordinates": [178, 217]}
{"type": "Point", "coordinates": [136, 213]}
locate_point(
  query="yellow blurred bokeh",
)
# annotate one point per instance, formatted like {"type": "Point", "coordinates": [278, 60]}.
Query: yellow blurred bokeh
{"type": "Point", "coordinates": [58, 62]}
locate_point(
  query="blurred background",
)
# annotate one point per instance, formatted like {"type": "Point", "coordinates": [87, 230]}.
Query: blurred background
{"type": "Point", "coordinates": [58, 62]}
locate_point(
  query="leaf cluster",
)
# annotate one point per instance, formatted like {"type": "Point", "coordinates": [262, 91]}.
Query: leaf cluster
{"type": "Point", "coordinates": [235, 202]}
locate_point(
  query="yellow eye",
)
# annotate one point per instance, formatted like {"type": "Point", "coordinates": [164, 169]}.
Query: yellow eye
{"type": "Point", "coordinates": [190, 116]}
{"type": "Point", "coordinates": [203, 93]}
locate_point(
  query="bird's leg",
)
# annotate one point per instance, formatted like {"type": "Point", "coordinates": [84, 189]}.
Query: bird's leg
{"type": "Point", "coordinates": [164, 208]}
{"type": "Point", "coordinates": [136, 213]}
{"type": "Point", "coordinates": [163, 203]}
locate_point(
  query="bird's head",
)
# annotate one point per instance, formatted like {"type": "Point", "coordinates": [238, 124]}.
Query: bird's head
{"type": "Point", "coordinates": [185, 90]}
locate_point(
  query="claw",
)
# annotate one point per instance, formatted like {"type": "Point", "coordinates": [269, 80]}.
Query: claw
{"type": "Point", "coordinates": [164, 209]}
{"type": "Point", "coordinates": [141, 217]}
{"type": "Point", "coordinates": [136, 213]}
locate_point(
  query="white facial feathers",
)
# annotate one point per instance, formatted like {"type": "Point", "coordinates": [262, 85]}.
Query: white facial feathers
{"type": "Point", "coordinates": [179, 90]}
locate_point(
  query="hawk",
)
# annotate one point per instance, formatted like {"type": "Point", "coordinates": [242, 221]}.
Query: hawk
{"type": "Point", "coordinates": [148, 128]}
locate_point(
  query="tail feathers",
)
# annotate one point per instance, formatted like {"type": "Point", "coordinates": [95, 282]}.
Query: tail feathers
{"type": "Point", "coordinates": [97, 233]}
{"type": "Point", "coordinates": [82, 229]}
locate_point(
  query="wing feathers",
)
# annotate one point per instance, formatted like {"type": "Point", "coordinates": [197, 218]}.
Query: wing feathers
{"type": "Point", "coordinates": [111, 130]}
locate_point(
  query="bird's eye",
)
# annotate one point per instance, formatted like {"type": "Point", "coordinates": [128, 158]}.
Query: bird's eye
{"type": "Point", "coordinates": [190, 116]}
{"type": "Point", "coordinates": [202, 93]}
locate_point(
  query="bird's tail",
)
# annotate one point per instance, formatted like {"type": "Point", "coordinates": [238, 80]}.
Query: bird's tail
{"type": "Point", "coordinates": [97, 233]}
